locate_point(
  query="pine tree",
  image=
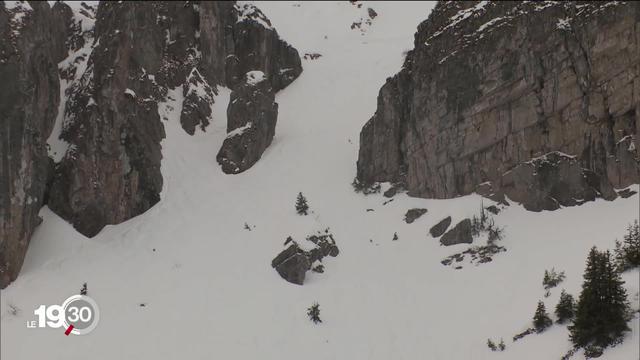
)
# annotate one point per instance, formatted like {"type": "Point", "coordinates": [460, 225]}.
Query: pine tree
{"type": "Point", "coordinates": [314, 313]}
{"type": "Point", "coordinates": [628, 251]}
{"type": "Point", "coordinates": [301, 205]}
{"type": "Point", "coordinates": [565, 309]}
{"type": "Point", "coordinates": [541, 319]}
{"type": "Point", "coordinates": [602, 310]}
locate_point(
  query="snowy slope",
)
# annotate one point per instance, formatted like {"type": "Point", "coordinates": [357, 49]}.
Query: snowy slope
{"type": "Point", "coordinates": [207, 283]}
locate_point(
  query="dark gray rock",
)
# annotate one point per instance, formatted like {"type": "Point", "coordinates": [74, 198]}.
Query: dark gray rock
{"type": "Point", "coordinates": [196, 107]}
{"type": "Point", "coordinates": [292, 264]}
{"type": "Point", "coordinates": [483, 93]}
{"type": "Point", "coordinates": [251, 124]}
{"type": "Point", "coordinates": [413, 214]}
{"type": "Point", "coordinates": [438, 229]}
{"type": "Point", "coordinates": [626, 193]}
{"type": "Point", "coordinates": [236, 39]}
{"type": "Point", "coordinates": [31, 45]}
{"type": "Point", "coordinates": [553, 180]}
{"type": "Point", "coordinates": [112, 170]}
{"type": "Point", "coordinates": [459, 234]}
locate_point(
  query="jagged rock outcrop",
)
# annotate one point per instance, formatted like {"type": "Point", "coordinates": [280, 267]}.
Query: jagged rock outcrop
{"type": "Point", "coordinates": [250, 43]}
{"type": "Point", "coordinates": [551, 181]}
{"type": "Point", "coordinates": [251, 124]}
{"type": "Point", "coordinates": [111, 171]}
{"type": "Point", "coordinates": [438, 229]}
{"type": "Point", "coordinates": [492, 85]}
{"type": "Point", "coordinates": [413, 214]}
{"type": "Point", "coordinates": [459, 234]}
{"type": "Point", "coordinates": [31, 44]}
{"type": "Point", "coordinates": [293, 263]}
{"type": "Point", "coordinates": [196, 107]}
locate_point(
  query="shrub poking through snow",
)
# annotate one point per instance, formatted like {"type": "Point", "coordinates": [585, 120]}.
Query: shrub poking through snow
{"type": "Point", "coordinates": [565, 309]}
{"type": "Point", "coordinates": [491, 345]}
{"type": "Point", "coordinates": [395, 236]}
{"type": "Point", "coordinates": [367, 189]}
{"type": "Point", "coordinates": [501, 345]}
{"type": "Point", "coordinates": [627, 252]}
{"type": "Point", "coordinates": [302, 207]}
{"type": "Point", "coordinates": [552, 278]}
{"type": "Point", "coordinates": [541, 320]}
{"type": "Point", "coordinates": [83, 291]}
{"type": "Point", "coordinates": [314, 313]}
{"type": "Point", "coordinates": [484, 222]}
{"type": "Point", "coordinates": [603, 309]}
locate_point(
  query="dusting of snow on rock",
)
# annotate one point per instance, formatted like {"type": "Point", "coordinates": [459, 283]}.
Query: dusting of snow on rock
{"type": "Point", "coordinates": [130, 92]}
{"type": "Point", "coordinates": [563, 24]}
{"type": "Point", "coordinates": [249, 12]}
{"type": "Point", "coordinates": [255, 77]}
{"type": "Point", "coordinates": [71, 71]}
{"type": "Point", "coordinates": [190, 260]}
{"type": "Point", "coordinates": [239, 131]}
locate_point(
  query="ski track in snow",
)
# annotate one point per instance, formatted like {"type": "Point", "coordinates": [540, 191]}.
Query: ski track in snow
{"type": "Point", "coordinates": [208, 286]}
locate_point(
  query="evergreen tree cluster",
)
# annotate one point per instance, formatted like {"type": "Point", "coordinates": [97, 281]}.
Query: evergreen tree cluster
{"type": "Point", "coordinates": [628, 251]}
{"type": "Point", "coordinates": [602, 311]}
{"type": "Point", "coordinates": [302, 208]}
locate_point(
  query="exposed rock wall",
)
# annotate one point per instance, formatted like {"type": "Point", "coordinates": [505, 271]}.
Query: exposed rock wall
{"type": "Point", "coordinates": [251, 124]}
{"type": "Point", "coordinates": [111, 171]}
{"type": "Point", "coordinates": [31, 44]}
{"type": "Point", "coordinates": [491, 85]}
{"type": "Point", "coordinates": [248, 42]}
{"type": "Point", "coordinates": [113, 67]}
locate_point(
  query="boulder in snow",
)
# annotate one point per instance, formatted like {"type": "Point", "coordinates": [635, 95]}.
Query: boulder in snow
{"type": "Point", "coordinates": [460, 234]}
{"type": "Point", "coordinates": [413, 214]}
{"type": "Point", "coordinates": [438, 229]}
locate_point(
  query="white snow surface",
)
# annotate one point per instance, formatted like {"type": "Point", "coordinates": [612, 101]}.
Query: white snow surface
{"type": "Point", "coordinates": [254, 77]}
{"type": "Point", "coordinates": [207, 282]}
{"type": "Point", "coordinates": [240, 130]}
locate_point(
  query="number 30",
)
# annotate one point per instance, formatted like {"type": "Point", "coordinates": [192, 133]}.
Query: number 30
{"type": "Point", "coordinates": [83, 314]}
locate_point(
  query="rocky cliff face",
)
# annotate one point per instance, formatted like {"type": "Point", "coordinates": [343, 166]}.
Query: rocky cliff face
{"type": "Point", "coordinates": [112, 65]}
{"type": "Point", "coordinates": [251, 123]}
{"type": "Point", "coordinates": [492, 89]}
{"type": "Point", "coordinates": [111, 171]}
{"type": "Point", "coordinates": [31, 46]}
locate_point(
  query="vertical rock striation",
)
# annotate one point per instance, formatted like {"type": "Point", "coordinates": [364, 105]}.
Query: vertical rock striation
{"type": "Point", "coordinates": [490, 86]}
{"type": "Point", "coordinates": [31, 44]}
